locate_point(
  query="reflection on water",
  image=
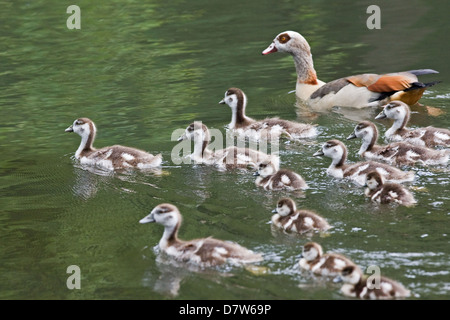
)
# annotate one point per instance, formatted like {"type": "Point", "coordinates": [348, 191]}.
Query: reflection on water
{"type": "Point", "coordinates": [167, 281]}
{"type": "Point", "coordinates": [86, 183]}
{"type": "Point", "coordinates": [88, 178]}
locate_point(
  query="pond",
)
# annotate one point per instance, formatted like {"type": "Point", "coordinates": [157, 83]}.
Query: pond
{"type": "Point", "coordinates": [143, 69]}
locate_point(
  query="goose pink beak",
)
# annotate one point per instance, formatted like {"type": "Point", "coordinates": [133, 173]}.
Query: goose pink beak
{"type": "Point", "coordinates": [270, 49]}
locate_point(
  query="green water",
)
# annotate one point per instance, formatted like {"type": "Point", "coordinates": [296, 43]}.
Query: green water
{"type": "Point", "coordinates": [140, 70]}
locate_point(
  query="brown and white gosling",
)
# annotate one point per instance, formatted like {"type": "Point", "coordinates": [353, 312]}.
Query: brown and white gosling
{"type": "Point", "coordinates": [204, 252]}
{"type": "Point", "coordinates": [288, 218]}
{"type": "Point", "coordinates": [427, 137]}
{"type": "Point", "coordinates": [225, 159]}
{"type": "Point", "coordinates": [269, 128]}
{"type": "Point", "coordinates": [395, 153]}
{"type": "Point", "coordinates": [270, 178]}
{"type": "Point", "coordinates": [379, 191]}
{"type": "Point", "coordinates": [111, 158]}
{"type": "Point", "coordinates": [357, 172]}
{"type": "Point", "coordinates": [356, 285]}
{"type": "Point", "coordinates": [329, 264]}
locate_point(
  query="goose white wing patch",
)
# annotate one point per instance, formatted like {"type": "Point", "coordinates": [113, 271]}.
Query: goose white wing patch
{"type": "Point", "coordinates": [285, 179]}
{"type": "Point", "coordinates": [308, 222]}
{"type": "Point", "coordinates": [127, 156]}
{"type": "Point", "coordinates": [386, 287]}
{"type": "Point", "coordinates": [363, 167]}
{"type": "Point", "coordinates": [393, 194]}
{"type": "Point", "coordinates": [219, 252]}
{"type": "Point", "coordinates": [411, 155]}
{"type": "Point", "coordinates": [339, 264]}
{"type": "Point", "coordinates": [441, 136]}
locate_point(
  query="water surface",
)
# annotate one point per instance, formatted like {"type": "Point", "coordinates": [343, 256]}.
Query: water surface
{"type": "Point", "coordinates": [140, 70]}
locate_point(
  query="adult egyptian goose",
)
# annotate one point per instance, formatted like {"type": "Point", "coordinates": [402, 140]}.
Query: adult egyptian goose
{"type": "Point", "coordinates": [111, 158]}
{"type": "Point", "coordinates": [387, 192]}
{"type": "Point", "coordinates": [356, 91]}
{"type": "Point", "coordinates": [357, 285]}
{"type": "Point", "coordinates": [357, 172]}
{"type": "Point", "coordinates": [395, 153]}
{"type": "Point", "coordinates": [426, 137]}
{"type": "Point", "coordinates": [204, 252]}
{"type": "Point", "coordinates": [269, 128]}
{"type": "Point", "coordinates": [224, 159]}
{"type": "Point", "coordinates": [329, 264]}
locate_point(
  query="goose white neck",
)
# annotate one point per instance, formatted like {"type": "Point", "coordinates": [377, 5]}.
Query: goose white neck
{"type": "Point", "coordinates": [398, 124]}
{"type": "Point", "coordinates": [170, 233]}
{"type": "Point", "coordinates": [339, 158]}
{"type": "Point", "coordinates": [201, 142]}
{"type": "Point", "coordinates": [368, 141]}
{"type": "Point", "coordinates": [87, 139]}
{"type": "Point", "coordinates": [232, 124]}
{"type": "Point", "coordinates": [238, 112]}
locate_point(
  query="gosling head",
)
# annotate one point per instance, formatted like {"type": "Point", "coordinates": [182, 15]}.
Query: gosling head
{"type": "Point", "coordinates": [265, 169]}
{"type": "Point", "coordinates": [285, 207]}
{"type": "Point", "coordinates": [82, 126]}
{"type": "Point", "coordinates": [312, 251]}
{"type": "Point", "coordinates": [165, 214]}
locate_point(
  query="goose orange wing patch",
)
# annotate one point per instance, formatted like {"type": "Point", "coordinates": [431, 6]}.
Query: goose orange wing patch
{"type": "Point", "coordinates": [388, 83]}
{"type": "Point", "coordinates": [381, 83]}
{"type": "Point", "coordinates": [363, 80]}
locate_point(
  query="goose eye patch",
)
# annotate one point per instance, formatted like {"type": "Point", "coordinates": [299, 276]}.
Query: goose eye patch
{"type": "Point", "coordinates": [162, 210]}
{"type": "Point", "coordinates": [284, 38]}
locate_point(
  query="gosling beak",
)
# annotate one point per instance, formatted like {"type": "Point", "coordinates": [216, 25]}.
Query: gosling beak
{"type": "Point", "coordinates": [351, 136]}
{"type": "Point", "coordinates": [270, 49]}
{"type": "Point", "coordinates": [69, 129]}
{"type": "Point", "coordinates": [147, 219]}
{"type": "Point", "coordinates": [381, 115]}
{"type": "Point", "coordinates": [318, 153]}
{"type": "Point", "coordinates": [182, 137]}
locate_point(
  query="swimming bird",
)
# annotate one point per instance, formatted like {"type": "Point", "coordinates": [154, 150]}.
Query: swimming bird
{"type": "Point", "coordinates": [427, 137]}
{"type": "Point", "coordinates": [357, 285]}
{"type": "Point", "coordinates": [395, 153]}
{"type": "Point", "coordinates": [363, 90]}
{"type": "Point", "coordinates": [271, 178]}
{"type": "Point", "coordinates": [357, 172]}
{"type": "Point", "coordinates": [225, 159]}
{"type": "Point", "coordinates": [268, 128]}
{"type": "Point", "coordinates": [110, 158]}
{"type": "Point", "coordinates": [204, 252]}
{"type": "Point", "coordinates": [387, 192]}
{"type": "Point", "coordinates": [329, 264]}
{"type": "Point", "coordinates": [287, 217]}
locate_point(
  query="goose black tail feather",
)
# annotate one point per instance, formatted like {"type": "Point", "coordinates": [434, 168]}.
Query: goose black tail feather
{"type": "Point", "coordinates": [422, 71]}
{"type": "Point", "coordinates": [420, 85]}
